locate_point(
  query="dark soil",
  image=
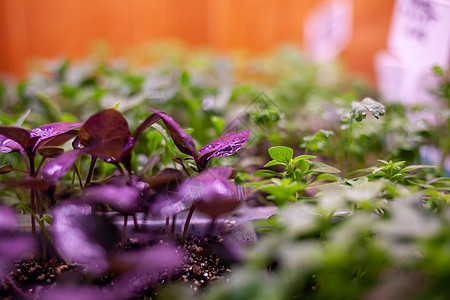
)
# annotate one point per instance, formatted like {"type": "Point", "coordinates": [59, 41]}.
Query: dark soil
{"type": "Point", "coordinates": [208, 260]}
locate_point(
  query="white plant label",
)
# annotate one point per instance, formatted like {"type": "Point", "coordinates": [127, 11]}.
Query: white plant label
{"type": "Point", "coordinates": [419, 39]}
{"type": "Point", "coordinates": [328, 29]}
{"type": "Point", "coordinates": [420, 31]}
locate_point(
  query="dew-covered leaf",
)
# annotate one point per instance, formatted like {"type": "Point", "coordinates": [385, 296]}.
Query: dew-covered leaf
{"type": "Point", "coordinates": [358, 111]}
{"type": "Point", "coordinates": [57, 140]}
{"type": "Point", "coordinates": [84, 237]}
{"type": "Point", "coordinates": [226, 145]}
{"type": "Point", "coordinates": [182, 140]}
{"type": "Point", "coordinates": [107, 127]}
{"type": "Point", "coordinates": [376, 108]}
{"type": "Point", "coordinates": [52, 130]}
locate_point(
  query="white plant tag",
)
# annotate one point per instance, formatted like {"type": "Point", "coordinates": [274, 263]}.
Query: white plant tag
{"type": "Point", "coordinates": [328, 29]}
{"type": "Point", "coordinates": [420, 31]}
{"type": "Point", "coordinates": [419, 39]}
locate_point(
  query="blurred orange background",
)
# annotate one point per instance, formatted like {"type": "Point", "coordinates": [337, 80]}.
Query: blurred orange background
{"type": "Point", "coordinates": [32, 29]}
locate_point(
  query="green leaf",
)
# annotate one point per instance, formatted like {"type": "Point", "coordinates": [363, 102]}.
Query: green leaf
{"type": "Point", "coordinates": [273, 163]}
{"type": "Point", "coordinates": [47, 219]}
{"type": "Point", "coordinates": [438, 70]}
{"type": "Point", "coordinates": [328, 177]}
{"type": "Point", "coordinates": [304, 165]}
{"type": "Point", "coordinates": [281, 153]}
{"type": "Point", "coordinates": [302, 157]}
{"type": "Point", "coordinates": [22, 118]}
{"type": "Point", "coordinates": [417, 167]}
{"type": "Point", "coordinates": [266, 173]}
{"type": "Point", "coordinates": [116, 106]}
{"type": "Point", "coordinates": [185, 78]}
{"type": "Point", "coordinates": [319, 167]}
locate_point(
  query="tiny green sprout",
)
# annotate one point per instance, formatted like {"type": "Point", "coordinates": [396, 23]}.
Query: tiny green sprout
{"type": "Point", "coordinates": [298, 174]}
{"type": "Point", "coordinates": [397, 172]}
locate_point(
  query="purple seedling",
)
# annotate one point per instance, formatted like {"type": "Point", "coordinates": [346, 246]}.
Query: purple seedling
{"type": "Point", "coordinates": [28, 143]}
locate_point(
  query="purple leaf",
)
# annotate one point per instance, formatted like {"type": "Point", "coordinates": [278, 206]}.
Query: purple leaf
{"type": "Point", "coordinates": [144, 267]}
{"type": "Point", "coordinates": [110, 153]}
{"type": "Point", "coordinates": [182, 140]}
{"type": "Point", "coordinates": [53, 170]}
{"type": "Point", "coordinates": [7, 145]}
{"type": "Point", "coordinates": [20, 136]}
{"type": "Point", "coordinates": [50, 152]}
{"type": "Point", "coordinates": [83, 237]}
{"type": "Point", "coordinates": [219, 196]}
{"type": "Point", "coordinates": [225, 145]}
{"type": "Point", "coordinates": [13, 245]}
{"type": "Point", "coordinates": [107, 127]}
{"type": "Point", "coordinates": [124, 199]}
{"type": "Point", "coordinates": [210, 189]}
{"type": "Point", "coordinates": [30, 141]}
{"type": "Point", "coordinates": [125, 153]}
{"type": "Point", "coordinates": [48, 132]}
{"type": "Point", "coordinates": [215, 172]}
{"type": "Point", "coordinates": [146, 124]}
{"type": "Point", "coordinates": [57, 140]}
{"type": "Point", "coordinates": [8, 219]}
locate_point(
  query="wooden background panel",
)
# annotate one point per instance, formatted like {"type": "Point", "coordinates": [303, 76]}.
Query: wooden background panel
{"type": "Point", "coordinates": [51, 28]}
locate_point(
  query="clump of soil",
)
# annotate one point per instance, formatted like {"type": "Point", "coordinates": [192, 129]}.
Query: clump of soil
{"type": "Point", "coordinates": [204, 263]}
{"type": "Point", "coordinates": [33, 276]}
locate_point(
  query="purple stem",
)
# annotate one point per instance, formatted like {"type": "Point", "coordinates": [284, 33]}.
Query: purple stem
{"type": "Point", "coordinates": [211, 227]}
{"type": "Point", "coordinates": [188, 221]}
{"type": "Point", "coordinates": [91, 171]}
{"type": "Point", "coordinates": [172, 231]}
{"type": "Point", "coordinates": [77, 172]}
{"type": "Point", "coordinates": [136, 225]}
{"type": "Point", "coordinates": [166, 228]}
{"type": "Point", "coordinates": [124, 230]}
